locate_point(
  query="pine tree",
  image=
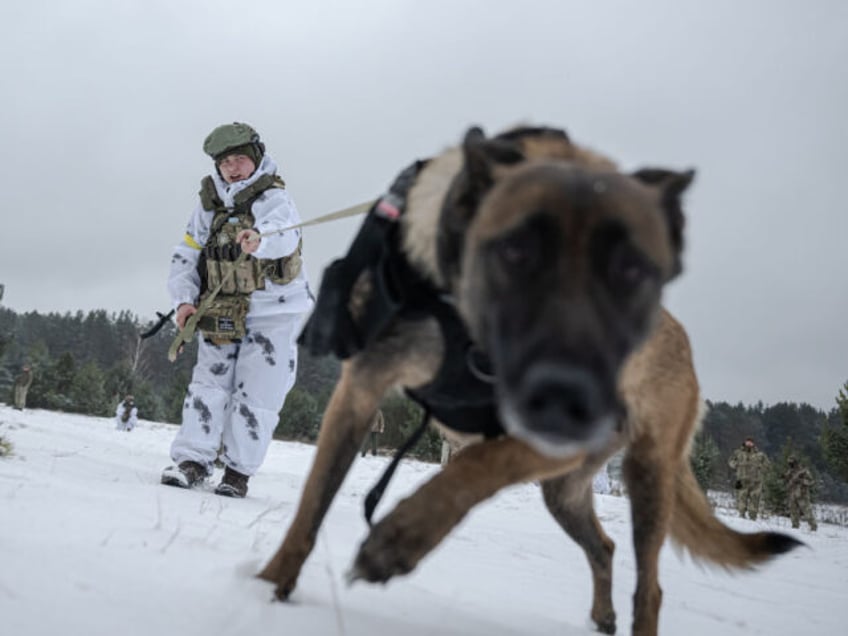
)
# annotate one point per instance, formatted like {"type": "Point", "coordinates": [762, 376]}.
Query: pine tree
{"type": "Point", "coordinates": [300, 418]}
{"type": "Point", "coordinates": [834, 439]}
{"type": "Point", "coordinates": [88, 392]}
{"type": "Point", "coordinates": [704, 458]}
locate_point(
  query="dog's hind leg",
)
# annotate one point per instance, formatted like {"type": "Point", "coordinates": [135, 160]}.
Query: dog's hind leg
{"type": "Point", "coordinates": [409, 532]}
{"type": "Point", "coordinates": [569, 500]}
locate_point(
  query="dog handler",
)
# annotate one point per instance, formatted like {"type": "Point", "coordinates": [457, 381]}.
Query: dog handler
{"type": "Point", "coordinates": [247, 354]}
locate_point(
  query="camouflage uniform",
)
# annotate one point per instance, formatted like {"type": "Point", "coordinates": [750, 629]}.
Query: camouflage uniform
{"type": "Point", "coordinates": [750, 465]}
{"type": "Point", "coordinates": [22, 383]}
{"type": "Point", "coordinates": [378, 426]}
{"type": "Point", "coordinates": [798, 481]}
{"type": "Point", "coordinates": [238, 386]}
{"type": "Point", "coordinates": [126, 414]}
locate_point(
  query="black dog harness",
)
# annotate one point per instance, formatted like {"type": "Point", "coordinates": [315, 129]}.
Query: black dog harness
{"type": "Point", "coordinates": [461, 395]}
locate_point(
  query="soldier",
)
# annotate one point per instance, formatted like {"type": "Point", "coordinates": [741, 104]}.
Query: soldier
{"type": "Point", "coordinates": [126, 415]}
{"type": "Point", "coordinates": [798, 482]}
{"type": "Point", "coordinates": [750, 465]}
{"type": "Point", "coordinates": [445, 451]}
{"type": "Point", "coordinates": [22, 383]}
{"type": "Point", "coordinates": [451, 445]}
{"type": "Point", "coordinates": [239, 266]}
{"type": "Point", "coordinates": [601, 482]}
{"type": "Point", "coordinates": [378, 425]}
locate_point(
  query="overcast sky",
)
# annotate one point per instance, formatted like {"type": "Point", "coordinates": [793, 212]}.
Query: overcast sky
{"type": "Point", "coordinates": [105, 105]}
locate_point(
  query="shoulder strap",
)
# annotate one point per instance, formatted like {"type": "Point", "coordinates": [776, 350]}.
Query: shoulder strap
{"type": "Point", "coordinates": [209, 198]}
{"type": "Point", "coordinates": [251, 192]}
{"type": "Point", "coordinates": [211, 202]}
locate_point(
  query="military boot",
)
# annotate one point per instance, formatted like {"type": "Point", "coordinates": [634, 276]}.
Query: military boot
{"type": "Point", "coordinates": [186, 475]}
{"type": "Point", "coordinates": [233, 484]}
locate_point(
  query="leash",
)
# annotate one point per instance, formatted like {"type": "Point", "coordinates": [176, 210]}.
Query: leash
{"type": "Point", "coordinates": [353, 210]}
{"type": "Point", "coordinates": [376, 493]}
{"type": "Point", "coordinates": [186, 334]}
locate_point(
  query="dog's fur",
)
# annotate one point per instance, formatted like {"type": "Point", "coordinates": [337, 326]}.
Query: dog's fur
{"type": "Point", "coordinates": [557, 262]}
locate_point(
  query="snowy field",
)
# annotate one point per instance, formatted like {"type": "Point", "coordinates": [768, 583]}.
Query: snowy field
{"type": "Point", "coordinates": [92, 545]}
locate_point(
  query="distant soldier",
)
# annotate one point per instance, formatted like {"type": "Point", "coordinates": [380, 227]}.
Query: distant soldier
{"type": "Point", "coordinates": [22, 384]}
{"type": "Point", "coordinates": [451, 445]}
{"type": "Point", "coordinates": [378, 425]}
{"type": "Point", "coordinates": [601, 482]}
{"type": "Point", "coordinates": [798, 482]}
{"type": "Point", "coordinates": [126, 415]}
{"type": "Point", "coordinates": [445, 451]}
{"type": "Point", "coordinates": [751, 466]}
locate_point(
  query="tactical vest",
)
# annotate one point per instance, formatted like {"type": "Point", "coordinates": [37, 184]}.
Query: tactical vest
{"type": "Point", "coordinates": [219, 264]}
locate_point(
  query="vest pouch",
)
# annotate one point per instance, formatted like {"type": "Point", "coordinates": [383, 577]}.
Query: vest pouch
{"type": "Point", "coordinates": [213, 273]}
{"type": "Point", "coordinates": [248, 276]}
{"type": "Point", "coordinates": [224, 320]}
{"type": "Point", "coordinates": [228, 276]}
{"type": "Point", "coordinates": [282, 271]}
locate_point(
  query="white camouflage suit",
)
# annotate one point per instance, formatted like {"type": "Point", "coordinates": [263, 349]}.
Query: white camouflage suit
{"type": "Point", "coordinates": [131, 422]}
{"type": "Point", "coordinates": [237, 390]}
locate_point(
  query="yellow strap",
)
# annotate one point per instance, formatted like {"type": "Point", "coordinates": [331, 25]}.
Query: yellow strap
{"type": "Point", "coordinates": [188, 239]}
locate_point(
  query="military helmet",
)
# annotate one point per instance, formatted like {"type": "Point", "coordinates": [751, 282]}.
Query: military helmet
{"type": "Point", "coordinates": [231, 138]}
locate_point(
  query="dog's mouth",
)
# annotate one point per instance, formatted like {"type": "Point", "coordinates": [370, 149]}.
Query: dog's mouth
{"type": "Point", "coordinates": [559, 409]}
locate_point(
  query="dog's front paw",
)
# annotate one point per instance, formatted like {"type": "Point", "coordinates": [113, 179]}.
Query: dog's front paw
{"type": "Point", "coordinates": [386, 553]}
{"type": "Point", "coordinates": [398, 543]}
{"type": "Point", "coordinates": [282, 572]}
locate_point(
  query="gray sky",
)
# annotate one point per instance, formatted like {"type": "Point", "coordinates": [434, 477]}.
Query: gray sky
{"type": "Point", "coordinates": [105, 105]}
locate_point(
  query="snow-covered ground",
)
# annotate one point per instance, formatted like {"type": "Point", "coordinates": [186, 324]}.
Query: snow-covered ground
{"type": "Point", "coordinates": [91, 544]}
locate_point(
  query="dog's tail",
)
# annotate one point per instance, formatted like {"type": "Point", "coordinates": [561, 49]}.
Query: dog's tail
{"type": "Point", "coordinates": [696, 528]}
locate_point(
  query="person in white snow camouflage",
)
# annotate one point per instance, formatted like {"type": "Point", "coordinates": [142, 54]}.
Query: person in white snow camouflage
{"type": "Point", "coordinates": [239, 260]}
{"type": "Point", "coordinates": [126, 414]}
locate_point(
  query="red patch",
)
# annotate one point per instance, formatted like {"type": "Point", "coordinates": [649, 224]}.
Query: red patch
{"type": "Point", "coordinates": [387, 210]}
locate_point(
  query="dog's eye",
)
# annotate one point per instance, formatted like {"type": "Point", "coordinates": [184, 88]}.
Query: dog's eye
{"type": "Point", "coordinates": [518, 251]}
{"type": "Point", "coordinates": [512, 252]}
{"type": "Point", "coordinates": [627, 270]}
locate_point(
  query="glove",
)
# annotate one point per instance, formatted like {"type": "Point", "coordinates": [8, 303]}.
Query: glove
{"type": "Point", "coordinates": [738, 484]}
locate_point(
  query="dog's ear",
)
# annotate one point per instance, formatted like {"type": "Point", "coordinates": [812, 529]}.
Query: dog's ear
{"type": "Point", "coordinates": [672, 185]}
{"type": "Point", "coordinates": [482, 158]}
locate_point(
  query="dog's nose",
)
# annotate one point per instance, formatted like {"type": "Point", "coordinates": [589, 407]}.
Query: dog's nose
{"type": "Point", "coordinates": [561, 401]}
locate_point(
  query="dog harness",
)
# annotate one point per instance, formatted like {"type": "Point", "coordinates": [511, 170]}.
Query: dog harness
{"type": "Point", "coordinates": [461, 395]}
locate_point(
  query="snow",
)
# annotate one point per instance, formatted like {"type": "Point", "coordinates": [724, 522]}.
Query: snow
{"type": "Point", "coordinates": [92, 544]}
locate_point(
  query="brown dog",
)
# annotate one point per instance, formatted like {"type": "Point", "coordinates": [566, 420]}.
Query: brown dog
{"type": "Point", "coordinates": [555, 263]}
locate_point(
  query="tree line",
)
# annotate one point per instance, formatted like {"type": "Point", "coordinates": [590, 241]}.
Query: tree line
{"type": "Point", "coordinates": [87, 362]}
